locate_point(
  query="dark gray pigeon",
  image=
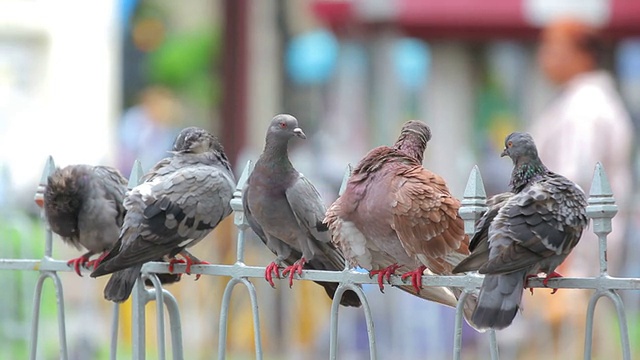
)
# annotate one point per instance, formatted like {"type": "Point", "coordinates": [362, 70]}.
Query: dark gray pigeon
{"type": "Point", "coordinates": [285, 210]}
{"type": "Point", "coordinates": [181, 200]}
{"type": "Point", "coordinates": [83, 204]}
{"type": "Point", "coordinates": [395, 215]}
{"type": "Point", "coordinates": [523, 233]}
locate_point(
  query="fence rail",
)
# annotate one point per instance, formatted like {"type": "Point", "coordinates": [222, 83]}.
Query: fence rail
{"type": "Point", "coordinates": [601, 210]}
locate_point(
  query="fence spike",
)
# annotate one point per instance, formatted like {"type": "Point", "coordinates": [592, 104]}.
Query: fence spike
{"type": "Point", "coordinates": [136, 174]}
{"type": "Point", "coordinates": [239, 218]}
{"type": "Point", "coordinates": [474, 201]}
{"type": "Point", "coordinates": [49, 168]}
{"type": "Point", "coordinates": [601, 210]}
{"type": "Point", "coordinates": [345, 179]}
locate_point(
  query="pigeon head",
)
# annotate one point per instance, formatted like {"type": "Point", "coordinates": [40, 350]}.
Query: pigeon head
{"type": "Point", "coordinates": [526, 164]}
{"type": "Point", "coordinates": [519, 146]}
{"type": "Point", "coordinates": [194, 140]}
{"type": "Point", "coordinates": [62, 199]}
{"type": "Point", "coordinates": [283, 127]}
{"type": "Point", "coordinates": [413, 139]}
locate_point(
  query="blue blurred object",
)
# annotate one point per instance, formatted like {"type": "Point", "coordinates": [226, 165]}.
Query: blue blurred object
{"type": "Point", "coordinates": [628, 59]}
{"type": "Point", "coordinates": [412, 60]}
{"type": "Point", "coordinates": [127, 8]}
{"type": "Point", "coordinates": [311, 58]}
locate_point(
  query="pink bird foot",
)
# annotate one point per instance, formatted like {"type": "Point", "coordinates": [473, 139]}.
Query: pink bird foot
{"type": "Point", "coordinates": [93, 264]}
{"type": "Point", "coordinates": [271, 269]}
{"type": "Point", "coordinates": [173, 262]}
{"type": "Point", "coordinates": [296, 268]}
{"type": "Point", "coordinates": [189, 260]}
{"type": "Point", "coordinates": [545, 281]}
{"type": "Point", "coordinates": [416, 277]}
{"type": "Point", "coordinates": [77, 262]}
{"type": "Point", "coordinates": [382, 273]}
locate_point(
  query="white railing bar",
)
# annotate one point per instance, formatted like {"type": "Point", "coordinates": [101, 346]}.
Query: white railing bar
{"type": "Point", "coordinates": [335, 307]}
{"type": "Point", "coordinates": [468, 281]}
{"type": "Point", "coordinates": [224, 316]}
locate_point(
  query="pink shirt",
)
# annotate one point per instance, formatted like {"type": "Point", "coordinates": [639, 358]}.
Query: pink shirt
{"type": "Point", "coordinates": [588, 123]}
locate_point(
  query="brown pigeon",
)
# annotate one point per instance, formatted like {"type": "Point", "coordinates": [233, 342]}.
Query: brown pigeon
{"type": "Point", "coordinates": [182, 199]}
{"type": "Point", "coordinates": [285, 210]}
{"type": "Point", "coordinates": [396, 215]}
{"type": "Point", "coordinates": [530, 230]}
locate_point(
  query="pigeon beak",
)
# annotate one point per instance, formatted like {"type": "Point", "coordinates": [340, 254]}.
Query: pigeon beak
{"type": "Point", "coordinates": [505, 152]}
{"type": "Point", "coordinates": [299, 133]}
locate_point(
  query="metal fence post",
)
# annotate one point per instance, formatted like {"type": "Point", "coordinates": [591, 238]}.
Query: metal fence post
{"type": "Point", "coordinates": [241, 223]}
{"type": "Point", "coordinates": [601, 210]}
{"type": "Point", "coordinates": [472, 207]}
{"type": "Point", "coordinates": [138, 295]}
{"type": "Point", "coordinates": [49, 168]}
{"type": "Point", "coordinates": [337, 296]}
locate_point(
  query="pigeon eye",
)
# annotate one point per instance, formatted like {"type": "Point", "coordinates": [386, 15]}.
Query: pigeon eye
{"type": "Point", "coordinates": [509, 144]}
{"type": "Point", "coordinates": [283, 125]}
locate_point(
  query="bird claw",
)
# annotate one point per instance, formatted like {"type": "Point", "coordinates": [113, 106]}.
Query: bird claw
{"type": "Point", "coordinates": [173, 262]}
{"type": "Point", "coordinates": [382, 273]}
{"type": "Point", "coordinates": [526, 282]}
{"type": "Point", "coordinates": [93, 264]}
{"type": "Point", "coordinates": [199, 262]}
{"type": "Point", "coordinates": [296, 268]}
{"type": "Point", "coordinates": [189, 261]}
{"type": "Point", "coordinates": [77, 262]}
{"type": "Point", "coordinates": [416, 277]}
{"type": "Point", "coordinates": [268, 273]}
{"type": "Point", "coordinates": [545, 281]}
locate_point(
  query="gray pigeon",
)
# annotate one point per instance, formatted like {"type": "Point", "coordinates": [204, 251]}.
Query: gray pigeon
{"type": "Point", "coordinates": [395, 215]}
{"type": "Point", "coordinates": [523, 233]}
{"type": "Point", "coordinates": [181, 200]}
{"type": "Point", "coordinates": [83, 204]}
{"type": "Point", "coordinates": [285, 210]}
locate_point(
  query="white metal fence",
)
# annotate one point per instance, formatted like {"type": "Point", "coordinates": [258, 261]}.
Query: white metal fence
{"type": "Point", "coordinates": [601, 210]}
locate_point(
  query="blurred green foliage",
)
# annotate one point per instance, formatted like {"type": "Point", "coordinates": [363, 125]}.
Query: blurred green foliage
{"type": "Point", "coordinates": [185, 62]}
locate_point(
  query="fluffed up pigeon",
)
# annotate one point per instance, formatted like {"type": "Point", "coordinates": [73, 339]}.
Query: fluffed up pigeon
{"type": "Point", "coordinates": [523, 233]}
{"type": "Point", "coordinates": [285, 210]}
{"type": "Point", "coordinates": [83, 204]}
{"type": "Point", "coordinates": [181, 200]}
{"type": "Point", "coordinates": [396, 215]}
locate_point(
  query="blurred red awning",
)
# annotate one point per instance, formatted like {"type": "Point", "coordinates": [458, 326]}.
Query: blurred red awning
{"type": "Point", "coordinates": [474, 19]}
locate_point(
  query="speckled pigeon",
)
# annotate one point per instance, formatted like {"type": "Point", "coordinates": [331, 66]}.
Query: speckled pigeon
{"type": "Point", "coordinates": [396, 215]}
{"type": "Point", "coordinates": [83, 204]}
{"type": "Point", "coordinates": [285, 210]}
{"type": "Point", "coordinates": [528, 231]}
{"type": "Point", "coordinates": [181, 200]}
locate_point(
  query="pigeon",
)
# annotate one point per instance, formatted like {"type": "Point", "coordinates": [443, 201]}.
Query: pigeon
{"type": "Point", "coordinates": [285, 211]}
{"type": "Point", "coordinates": [83, 204]}
{"type": "Point", "coordinates": [396, 215]}
{"type": "Point", "coordinates": [525, 232]}
{"type": "Point", "coordinates": [181, 200]}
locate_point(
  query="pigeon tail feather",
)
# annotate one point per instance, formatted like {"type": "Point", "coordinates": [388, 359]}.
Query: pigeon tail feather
{"type": "Point", "coordinates": [120, 285]}
{"type": "Point", "coordinates": [499, 300]}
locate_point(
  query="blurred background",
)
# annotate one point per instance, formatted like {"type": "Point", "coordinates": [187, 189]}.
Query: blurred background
{"type": "Point", "coordinates": [108, 82]}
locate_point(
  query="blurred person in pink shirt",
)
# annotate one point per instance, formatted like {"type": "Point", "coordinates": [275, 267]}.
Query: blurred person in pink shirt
{"type": "Point", "coordinates": [586, 123]}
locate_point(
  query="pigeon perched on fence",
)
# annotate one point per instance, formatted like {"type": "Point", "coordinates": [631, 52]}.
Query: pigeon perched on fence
{"type": "Point", "coordinates": [180, 201]}
{"type": "Point", "coordinates": [83, 204]}
{"type": "Point", "coordinates": [285, 210]}
{"type": "Point", "coordinates": [396, 215]}
{"type": "Point", "coordinates": [525, 232]}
